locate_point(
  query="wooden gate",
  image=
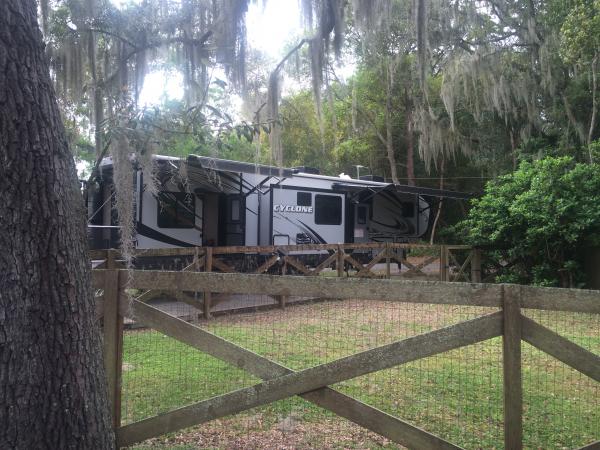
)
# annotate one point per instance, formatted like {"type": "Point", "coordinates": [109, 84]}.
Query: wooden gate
{"type": "Point", "coordinates": [280, 382]}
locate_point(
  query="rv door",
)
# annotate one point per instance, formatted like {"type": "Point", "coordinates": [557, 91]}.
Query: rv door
{"type": "Point", "coordinates": [361, 219]}
{"type": "Point", "coordinates": [234, 220]}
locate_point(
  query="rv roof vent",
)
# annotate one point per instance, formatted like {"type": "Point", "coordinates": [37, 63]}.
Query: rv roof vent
{"type": "Point", "coordinates": [306, 169]}
{"type": "Point", "coordinates": [372, 178]}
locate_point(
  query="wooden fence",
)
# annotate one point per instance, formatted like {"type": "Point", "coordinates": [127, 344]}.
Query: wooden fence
{"type": "Point", "coordinates": [280, 382]}
{"type": "Point", "coordinates": [343, 257]}
{"type": "Point", "coordinates": [455, 262]}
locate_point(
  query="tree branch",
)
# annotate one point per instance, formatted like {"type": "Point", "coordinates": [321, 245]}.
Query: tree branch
{"type": "Point", "coordinates": [200, 41]}
{"type": "Point", "coordinates": [289, 55]}
{"type": "Point", "coordinates": [107, 32]}
{"type": "Point", "coordinates": [363, 112]}
{"type": "Point", "coordinates": [594, 101]}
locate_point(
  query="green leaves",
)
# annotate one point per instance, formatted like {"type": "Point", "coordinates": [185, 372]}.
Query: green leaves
{"type": "Point", "coordinates": [540, 219]}
{"type": "Point", "coordinates": [580, 31]}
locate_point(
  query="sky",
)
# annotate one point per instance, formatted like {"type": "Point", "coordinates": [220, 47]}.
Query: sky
{"type": "Point", "coordinates": [283, 19]}
{"type": "Point", "coordinates": [269, 28]}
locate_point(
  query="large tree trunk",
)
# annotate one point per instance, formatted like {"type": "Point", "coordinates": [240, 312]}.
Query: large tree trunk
{"type": "Point", "coordinates": [52, 383]}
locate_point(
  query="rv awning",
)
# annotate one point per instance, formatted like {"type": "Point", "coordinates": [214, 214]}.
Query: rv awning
{"type": "Point", "coordinates": [402, 188]}
{"type": "Point", "coordinates": [226, 165]}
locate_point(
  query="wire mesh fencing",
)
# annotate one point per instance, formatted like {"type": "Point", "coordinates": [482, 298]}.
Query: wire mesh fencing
{"type": "Point", "coordinates": [456, 395]}
{"type": "Point", "coordinates": [562, 405]}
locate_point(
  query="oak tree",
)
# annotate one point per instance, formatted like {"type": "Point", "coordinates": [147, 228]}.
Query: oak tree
{"type": "Point", "coordinates": [53, 388]}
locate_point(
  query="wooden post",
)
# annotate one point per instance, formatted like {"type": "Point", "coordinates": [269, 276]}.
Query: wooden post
{"type": "Point", "coordinates": [113, 342]}
{"type": "Point", "coordinates": [196, 268]}
{"type": "Point", "coordinates": [196, 260]}
{"type": "Point", "coordinates": [387, 260]}
{"type": "Point", "coordinates": [208, 260]}
{"type": "Point", "coordinates": [282, 299]}
{"type": "Point", "coordinates": [513, 388]}
{"type": "Point", "coordinates": [340, 261]}
{"type": "Point", "coordinates": [476, 266]}
{"type": "Point", "coordinates": [110, 259]}
{"type": "Point", "coordinates": [443, 263]}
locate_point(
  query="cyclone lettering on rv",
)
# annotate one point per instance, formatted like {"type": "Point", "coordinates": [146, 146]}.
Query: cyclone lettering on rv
{"type": "Point", "coordinates": [293, 209]}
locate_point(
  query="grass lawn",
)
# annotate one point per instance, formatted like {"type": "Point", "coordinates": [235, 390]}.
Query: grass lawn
{"type": "Point", "coordinates": [457, 395]}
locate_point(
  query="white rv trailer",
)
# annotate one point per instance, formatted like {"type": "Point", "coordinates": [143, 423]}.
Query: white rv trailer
{"type": "Point", "coordinates": [229, 203]}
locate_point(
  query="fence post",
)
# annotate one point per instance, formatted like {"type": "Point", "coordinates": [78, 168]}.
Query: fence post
{"type": "Point", "coordinates": [208, 260]}
{"type": "Point", "coordinates": [340, 261]}
{"type": "Point", "coordinates": [476, 265]}
{"type": "Point", "coordinates": [281, 299]}
{"type": "Point", "coordinates": [110, 259]}
{"type": "Point", "coordinates": [387, 260]}
{"type": "Point", "coordinates": [443, 263]}
{"type": "Point", "coordinates": [196, 260]}
{"type": "Point", "coordinates": [513, 383]}
{"type": "Point", "coordinates": [113, 342]}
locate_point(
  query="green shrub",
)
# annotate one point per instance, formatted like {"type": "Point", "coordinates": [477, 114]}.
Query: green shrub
{"type": "Point", "coordinates": [538, 221]}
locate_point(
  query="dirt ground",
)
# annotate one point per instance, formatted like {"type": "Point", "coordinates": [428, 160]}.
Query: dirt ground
{"type": "Point", "coordinates": [224, 303]}
{"type": "Point", "coordinates": [288, 434]}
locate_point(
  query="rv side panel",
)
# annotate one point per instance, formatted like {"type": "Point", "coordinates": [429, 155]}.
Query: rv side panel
{"type": "Point", "coordinates": [307, 215]}
{"type": "Point", "coordinates": [265, 218]}
{"type": "Point", "coordinates": [252, 218]}
{"type": "Point", "coordinates": [173, 220]}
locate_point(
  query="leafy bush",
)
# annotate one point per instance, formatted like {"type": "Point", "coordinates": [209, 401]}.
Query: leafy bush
{"type": "Point", "coordinates": [538, 221]}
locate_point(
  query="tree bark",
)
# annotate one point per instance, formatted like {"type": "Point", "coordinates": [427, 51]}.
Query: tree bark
{"type": "Point", "coordinates": [441, 204]}
{"type": "Point", "coordinates": [594, 102]}
{"type": "Point", "coordinates": [389, 137]}
{"type": "Point", "coordinates": [52, 383]}
{"type": "Point", "coordinates": [410, 142]}
{"type": "Point", "coordinates": [513, 148]}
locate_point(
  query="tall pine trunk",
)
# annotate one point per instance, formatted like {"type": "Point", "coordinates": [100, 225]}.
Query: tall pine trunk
{"type": "Point", "coordinates": [410, 142]}
{"type": "Point", "coordinates": [52, 383]}
{"type": "Point", "coordinates": [389, 136]}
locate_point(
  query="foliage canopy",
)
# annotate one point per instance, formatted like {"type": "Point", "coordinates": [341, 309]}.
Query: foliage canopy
{"type": "Point", "coordinates": [539, 221]}
{"type": "Point", "coordinates": [471, 87]}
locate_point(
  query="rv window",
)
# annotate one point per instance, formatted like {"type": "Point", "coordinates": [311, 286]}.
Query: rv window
{"type": "Point", "coordinates": [328, 210]}
{"type": "Point", "coordinates": [175, 210]}
{"type": "Point", "coordinates": [408, 209]}
{"type": "Point", "coordinates": [304, 199]}
{"type": "Point", "coordinates": [235, 210]}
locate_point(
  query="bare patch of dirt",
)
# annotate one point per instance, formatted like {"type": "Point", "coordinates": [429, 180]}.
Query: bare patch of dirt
{"type": "Point", "coordinates": [402, 318]}
{"type": "Point", "coordinates": [226, 435]}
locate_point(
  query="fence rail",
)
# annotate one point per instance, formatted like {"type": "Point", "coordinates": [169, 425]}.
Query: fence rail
{"type": "Point", "coordinates": [312, 384]}
{"type": "Point", "coordinates": [367, 260]}
{"type": "Point", "coordinates": [343, 257]}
